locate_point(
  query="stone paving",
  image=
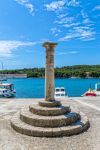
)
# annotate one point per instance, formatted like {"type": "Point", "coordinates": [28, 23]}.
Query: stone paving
{"type": "Point", "coordinates": [11, 140]}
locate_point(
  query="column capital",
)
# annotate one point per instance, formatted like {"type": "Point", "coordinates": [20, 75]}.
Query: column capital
{"type": "Point", "coordinates": [49, 45]}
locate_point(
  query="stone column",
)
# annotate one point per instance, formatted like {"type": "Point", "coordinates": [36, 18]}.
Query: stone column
{"type": "Point", "coordinates": [49, 71]}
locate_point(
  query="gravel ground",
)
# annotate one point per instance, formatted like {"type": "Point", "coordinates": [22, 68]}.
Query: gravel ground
{"type": "Point", "coordinates": [11, 140]}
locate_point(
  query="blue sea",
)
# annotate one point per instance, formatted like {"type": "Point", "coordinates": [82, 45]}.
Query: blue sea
{"type": "Point", "coordinates": [34, 87]}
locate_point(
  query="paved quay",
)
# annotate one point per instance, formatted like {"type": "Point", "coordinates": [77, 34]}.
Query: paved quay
{"type": "Point", "coordinates": [89, 140]}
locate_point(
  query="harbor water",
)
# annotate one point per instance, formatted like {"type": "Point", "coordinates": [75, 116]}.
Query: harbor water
{"type": "Point", "coordinates": [34, 87]}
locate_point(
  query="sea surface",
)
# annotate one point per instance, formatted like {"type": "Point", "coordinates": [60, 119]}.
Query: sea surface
{"type": "Point", "coordinates": [34, 87]}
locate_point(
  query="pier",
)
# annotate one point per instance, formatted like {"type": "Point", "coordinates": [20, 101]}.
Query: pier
{"type": "Point", "coordinates": [13, 76]}
{"type": "Point", "coordinates": [89, 140]}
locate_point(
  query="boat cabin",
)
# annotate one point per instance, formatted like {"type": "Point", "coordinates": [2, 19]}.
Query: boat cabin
{"type": "Point", "coordinates": [60, 92]}
{"type": "Point", "coordinates": [8, 86]}
{"type": "Point", "coordinates": [97, 86]}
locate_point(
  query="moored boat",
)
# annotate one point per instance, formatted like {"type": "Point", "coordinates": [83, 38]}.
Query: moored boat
{"type": "Point", "coordinates": [60, 92]}
{"type": "Point", "coordinates": [7, 90]}
{"type": "Point", "coordinates": [97, 89]}
{"type": "Point", "coordinates": [90, 92]}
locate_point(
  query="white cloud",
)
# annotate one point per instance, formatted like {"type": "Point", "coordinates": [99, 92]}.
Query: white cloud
{"type": "Point", "coordinates": [73, 3]}
{"type": "Point", "coordinates": [73, 52]}
{"type": "Point", "coordinates": [82, 33]}
{"type": "Point", "coordinates": [86, 21]}
{"type": "Point", "coordinates": [96, 8]}
{"type": "Point", "coordinates": [60, 16]}
{"type": "Point", "coordinates": [58, 5]}
{"type": "Point", "coordinates": [71, 24]}
{"type": "Point", "coordinates": [76, 25]}
{"type": "Point", "coordinates": [55, 5]}
{"type": "Point", "coordinates": [65, 20]}
{"type": "Point", "coordinates": [84, 14]}
{"type": "Point", "coordinates": [7, 47]}
{"type": "Point", "coordinates": [68, 37]}
{"type": "Point", "coordinates": [68, 52]}
{"type": "Point", "coordinates": [55, 31]}
{"type": "Point", "coordinates": [28, 5]}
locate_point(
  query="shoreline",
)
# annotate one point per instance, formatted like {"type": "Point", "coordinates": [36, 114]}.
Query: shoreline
{"type": "Point", "coordinates": [55, 78]}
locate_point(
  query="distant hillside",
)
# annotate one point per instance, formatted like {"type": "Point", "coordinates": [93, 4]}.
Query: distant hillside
{"type": "Point", "coordinates": [81, 71]}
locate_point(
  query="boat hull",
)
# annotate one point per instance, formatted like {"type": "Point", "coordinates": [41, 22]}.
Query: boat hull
{"type": "Point", "coordinates": [7, 95]}
{"type": "Point", "coordinates": [97, 93]}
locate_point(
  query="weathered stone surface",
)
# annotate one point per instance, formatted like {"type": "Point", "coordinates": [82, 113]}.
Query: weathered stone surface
{"type": "Point", "coordinates": [77, 127]}
{"type": "Point", "coordinates": [53, 111]}
{"type": "Point", "coordinates": [74, 128]}
{"type": "Point", "coordinates": [49, 70]}
{"type": "Point", "coordinates": [54, 103]}
{"type": "Point", "coordinates": [12, 140]}
{"type": "Point", "coordinates": [48, 121]}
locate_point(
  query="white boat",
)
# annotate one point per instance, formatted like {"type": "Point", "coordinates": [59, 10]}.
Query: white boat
{"type": "Point", "coordinates": [97, 89]}
{"type": "Point", "coordinates": [7, 90]}
{"type": "Point", "coordinates": [60, 92]}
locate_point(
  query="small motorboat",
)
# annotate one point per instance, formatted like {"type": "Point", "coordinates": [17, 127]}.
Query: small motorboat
{"type": "Point", "coordinates": [7, 90]}
{"type": "Point", "coordinates": [60, 92]}
{"type": "Point", "coordinates": [90, 92]}
{"type": "Point", "coordinates": [97, 89]}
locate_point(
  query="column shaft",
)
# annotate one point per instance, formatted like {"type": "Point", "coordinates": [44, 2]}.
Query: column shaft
{"type": "Point", "coordinates": [49, 71]}
{"type": "Point", "coordinates": [49, 74]}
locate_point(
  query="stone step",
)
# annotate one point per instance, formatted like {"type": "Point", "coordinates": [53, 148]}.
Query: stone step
{"type": "Point", "coordinates": [46, 111]}
{"type": "Point", "coordinates": [48, 121]}
{"type": "Point", "coordinates": [53, 103]}
{"type": "Point", "coordinates": [26, 129]}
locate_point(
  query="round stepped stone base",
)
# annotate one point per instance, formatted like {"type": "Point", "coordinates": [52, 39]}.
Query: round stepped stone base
{"type": "Point", "coordinates": [53, 103]}
{"type": "Point", "coordinates": [48, 121]}
{"type": "Point", "coordinates": [49, 111]}
{"type": "Point", "coordinates": [74, 128]}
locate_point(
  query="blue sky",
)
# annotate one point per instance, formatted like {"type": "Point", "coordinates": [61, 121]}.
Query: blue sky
{"type": "Point", "coordinates": [26, 24]}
